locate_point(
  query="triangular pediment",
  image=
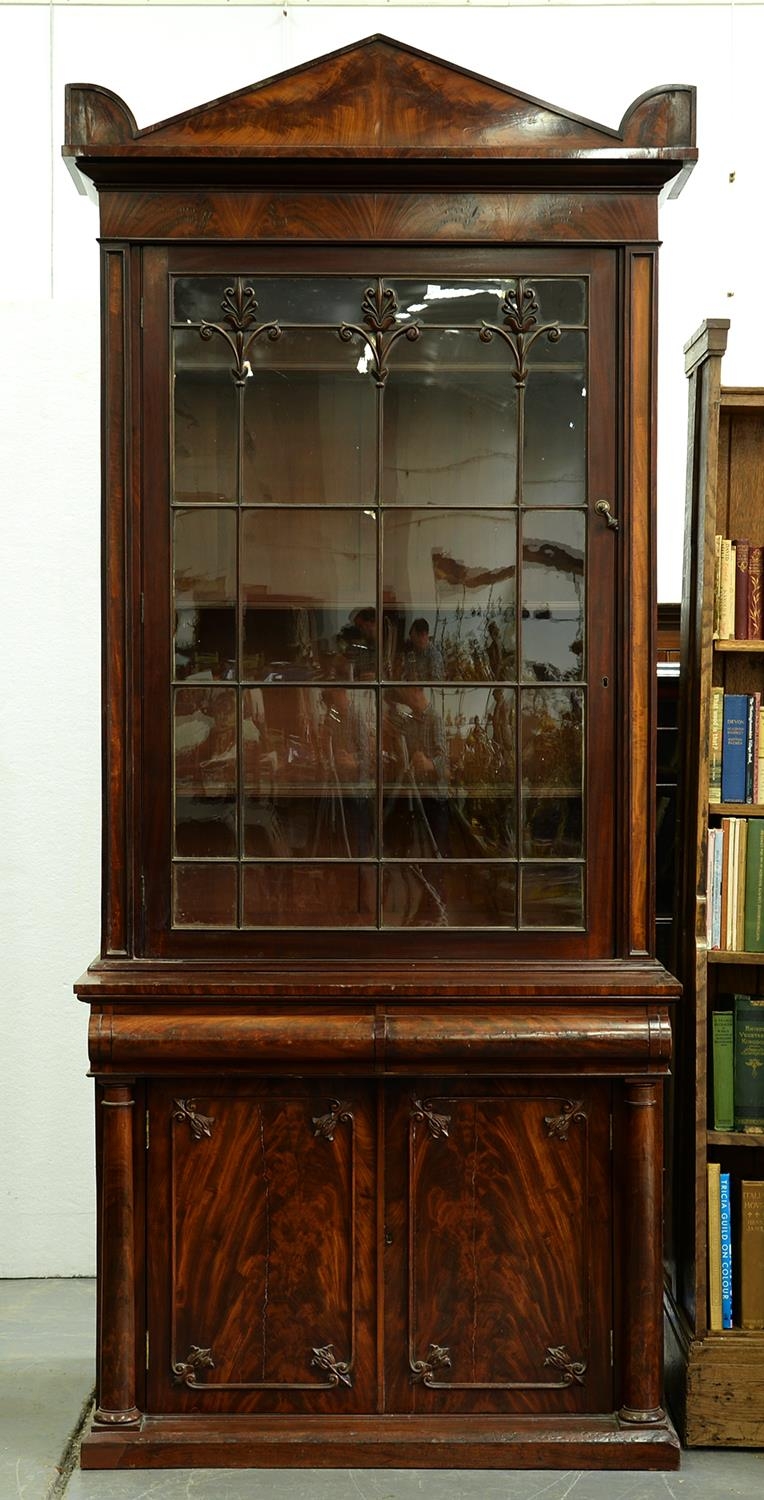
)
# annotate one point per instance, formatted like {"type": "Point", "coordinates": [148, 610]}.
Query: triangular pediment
{"type": "Point", "coordinates": [377, 97]}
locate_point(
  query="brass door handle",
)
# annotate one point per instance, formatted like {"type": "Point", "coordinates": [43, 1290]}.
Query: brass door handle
{"type": "Point", "coordinates": [602, 508]}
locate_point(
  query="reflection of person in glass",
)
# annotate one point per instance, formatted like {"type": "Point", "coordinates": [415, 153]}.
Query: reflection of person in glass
{"type": "Point", "coordinates": [417, 771]}
{"type": "Point", "coordinates": [358, 643]}
{"type": "Point", "coordinates": [344, 813]}
{"type": "Point", "coordinates": [422, 659]}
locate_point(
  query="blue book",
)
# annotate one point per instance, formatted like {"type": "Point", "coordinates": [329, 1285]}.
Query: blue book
{"type": "Point", "coordinates": [734, 738]}
{"type": "Point", "coordinates": [724, 1197]}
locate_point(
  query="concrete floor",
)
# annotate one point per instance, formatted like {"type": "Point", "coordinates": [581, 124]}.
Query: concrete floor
{"type": "Point", "coordinates": [46, 1378]}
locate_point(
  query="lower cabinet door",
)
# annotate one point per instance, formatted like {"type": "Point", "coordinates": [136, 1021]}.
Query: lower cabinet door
{"type": "Point", "coordinates": [261, 1242]}
{"type": "Point", "coordinates": [498, 1248]}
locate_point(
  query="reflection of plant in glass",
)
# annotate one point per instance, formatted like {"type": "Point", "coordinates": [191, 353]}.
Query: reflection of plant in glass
{"type": "Point", "coordinates": [552, 738]}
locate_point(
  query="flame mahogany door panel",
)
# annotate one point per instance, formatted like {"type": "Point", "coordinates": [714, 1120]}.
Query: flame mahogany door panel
{"type": "Point", "coordinates": [261, 1248]}
{"type": "Point", "coordinates": [499, 1248]}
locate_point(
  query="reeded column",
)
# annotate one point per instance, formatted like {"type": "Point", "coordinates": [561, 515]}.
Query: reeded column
{"type": "Point", "coordinates": [116, 1376]}
{"type": "Point", "coordinates": [642, 1389]}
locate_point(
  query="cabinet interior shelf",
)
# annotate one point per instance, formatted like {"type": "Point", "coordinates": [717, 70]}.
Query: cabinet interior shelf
{"type": "Point", "coordinates": [734, 1138]}
{"type": "Point", "coordinates": [752, 647]}
{"type": "Point", "coordinates": [736, 809]}
{"type": "Point", "coordinates": [717, 957]}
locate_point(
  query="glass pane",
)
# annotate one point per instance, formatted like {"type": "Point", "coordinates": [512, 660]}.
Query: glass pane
{"type": "Point", "coordinates": [308, 895]}
{"type": "Point", "coordinates": [553, 896]}
{"type": "Point", "coordinates": [309, 422]}
{"type": "Point", "coordinates": [450, 423]}
{"type": "Point", "coordinates": [449, 595]}
{"type": "Point", "coordinates": [205, 771]}
{"type": "Point", "coordinates": [204, 895]}
{"type": "Point", "coordinates": [554, 453]}
{"type": "Point", "coordinates": [309, 772]}
{"type": "Point", "coordinates": [448, 895]}
{"type": "Point", "coordinates": [552, 734]}
{"type": "Point", "coordinates": [205, 420]}
{"type": "Point", "coordinates": [205, 594]}
{"type": "Point", "coordinates": [200, 297]}
{"type": "Point", "coordinates": [310, 299]}
{"type": "Point", "coordinates": [562, 300]}
{"type": "Point", "coordinates": [453, 302]}
{"type": "Point", "coordinates": [553, 605]}
{"type": "Point", "coordinates": [309, 585]}
{"type": "Point", "coordinates": [448, 766]}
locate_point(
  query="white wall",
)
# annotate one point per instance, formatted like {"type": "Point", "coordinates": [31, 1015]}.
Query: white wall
{"type": "Point", "coordinates": [593, 60]}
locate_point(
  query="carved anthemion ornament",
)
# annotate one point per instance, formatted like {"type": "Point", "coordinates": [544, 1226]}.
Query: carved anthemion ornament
{"type": "Point", "coordinates": [571, 1370]}
{"type": "Point", "coordinates": [186, 1372]}
{"type": "Point", "coordinates": [381, 329]}
{"type": "Point", "coordinates": [521, 327]}
{"type": "Point", "coordinates": [438, 1358]}
{"type": "Point", "coordinates": [338, 1370]}
{"type": "Point", "coordinates": [201, 1125]}
{"type": "Point", "coordinates": [559, 1125]}
{"type": "Point", "coordinates": [436, 1124]}
{"type": "Point", "coordinates": [239, 327]}
{"type": "Point", "coordinates": [339, 1113]}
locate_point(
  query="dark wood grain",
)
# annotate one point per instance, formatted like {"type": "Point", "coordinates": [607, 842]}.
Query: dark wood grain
{"type": "Point", "coordinates": [359, 1201]}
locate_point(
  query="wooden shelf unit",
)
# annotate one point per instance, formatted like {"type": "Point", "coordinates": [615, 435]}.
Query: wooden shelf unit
{"type": "Point", "coordinates": [715, 1380]}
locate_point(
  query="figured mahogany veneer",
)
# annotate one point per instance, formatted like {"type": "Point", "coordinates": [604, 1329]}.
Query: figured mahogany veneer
{"type": "Point", "coordinates": [380, 1196]}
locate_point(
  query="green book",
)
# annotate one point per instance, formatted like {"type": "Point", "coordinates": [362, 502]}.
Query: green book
{"type": "Point", "coordinates": [754, 887]}
{"type": "Point", "coordinates": [724, 1096]}
{"type": "Point", "coordinates": [749, 1064]}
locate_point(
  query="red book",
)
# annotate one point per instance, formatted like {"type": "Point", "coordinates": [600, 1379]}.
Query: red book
{"type": "Point", "coordinates": [755, 561]}
{"type": "Point", "coordinates": [742, 550]}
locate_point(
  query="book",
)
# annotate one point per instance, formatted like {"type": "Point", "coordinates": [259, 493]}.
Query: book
{"type": "Point", "coordinates": [755, 568]}
{"type": "Point", "coordinates": [751, 1254]}
{"type": "Point", "coordinates": [726, 591]}
{"type": "Point", "coordinates": [741, 849]}
{"type": "Point", "coordinates": [750, 742]}
{"type": "Point", "coordinates": [725, 1237]}
{"type": "Point", "coordinates": [724, 904]}
{"type": "Point", "coordinates": [722, 1023]}
{"type": "Point", "coordinates": [717, 597]}
{"type": "Point", "coordinates": [715, 756]}
{"type": "Point", "coordinates": [753, 934]}
{"type": "Point", "coordinates": [742, 548]}
{"type": "Point", "coordinates": [756, 744]}
{"type": "Point", "coordinates": [749, 1064]}
{"type": "Point", "coordinates": [716, 926]}
{"type": "Point", "coordinates": [735, 719]}
{"type": "Point", "coordinates": [760, 757]}
{"type": "Point", "coordinates": [713, 1175]}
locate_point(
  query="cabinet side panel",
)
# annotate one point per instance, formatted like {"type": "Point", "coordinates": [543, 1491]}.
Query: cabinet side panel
{"type": "Point", "coordinates": [115, 420]}
{"type": "Point", "coordinates": [641, 605]}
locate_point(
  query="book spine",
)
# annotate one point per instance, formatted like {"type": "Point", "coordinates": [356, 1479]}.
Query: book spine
{"type": "Point", "coordinates": [716, 933]}
{"type": "Point", "coordinates": [725, 1237]}
{"type": "Point", "coordinates": [717, 599]}
{"type": "Point", "coordinates": [753, 936]}
{"type": "Point", "coordinates": [749, 1064]}
{"type": "Point", "coordinates": [713, 1174]}
{"type": "Point", "coordinates": [751, 1253]}
{"type": "Point", "coordinates": [742, 549]}
{"type": "Point", "coordinates": [761, 754]}
{"type": "Point", "coordinates": [756, 745]}
{"type": "Point", "coordinates": [733, 747]}
{"type": "Point", "coordinates": [725, 885]}
{"type": "Point", "coordinates": [740, 873]}
{"type": "Point", "coordinates": [710, 847]}
{"type": "Point", "coordinates": [722, 1022]}
{"type": "Point", "coordinates": [727, 595]}
{"type": "Point", "coordinates": [715, 757]}
{"type": "Point", "coordinates": [755, 567]}
{"type": "Point", "coordinates": [750, 738]}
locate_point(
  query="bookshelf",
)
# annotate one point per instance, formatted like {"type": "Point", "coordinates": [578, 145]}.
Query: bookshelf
{"type": "Point", "coordinates": [715, 1379]}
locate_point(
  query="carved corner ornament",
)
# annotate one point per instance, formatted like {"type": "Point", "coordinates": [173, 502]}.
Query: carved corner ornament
{"type": "Point", "coordinates": [338, 1370]}
{"type": "Point", "coordinates": [438, 1358]}
{"type": "Point", "coordinates": [559, 1125]}
{"type": "Point", "coordinates": [201, 1125]}
{"type": "Point", "coordinates": [186, 1372]}
{"type": "Point", "coordinates": [381, 328]}
{"type": "Point", "coordinates": [571, 1370]}
{"type": "Point", "coordinates": [239, 327]}
{"type": "Point", "coordinates": [436, 1124]}
{"type": "Point", "coordinates": [339, 1113]}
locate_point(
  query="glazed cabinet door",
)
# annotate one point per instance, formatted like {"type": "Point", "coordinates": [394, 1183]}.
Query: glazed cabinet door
{"type": "Point", "coordinates": [261, 1248]}
{"type": "Point", "coordinates": [498, 1241]}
